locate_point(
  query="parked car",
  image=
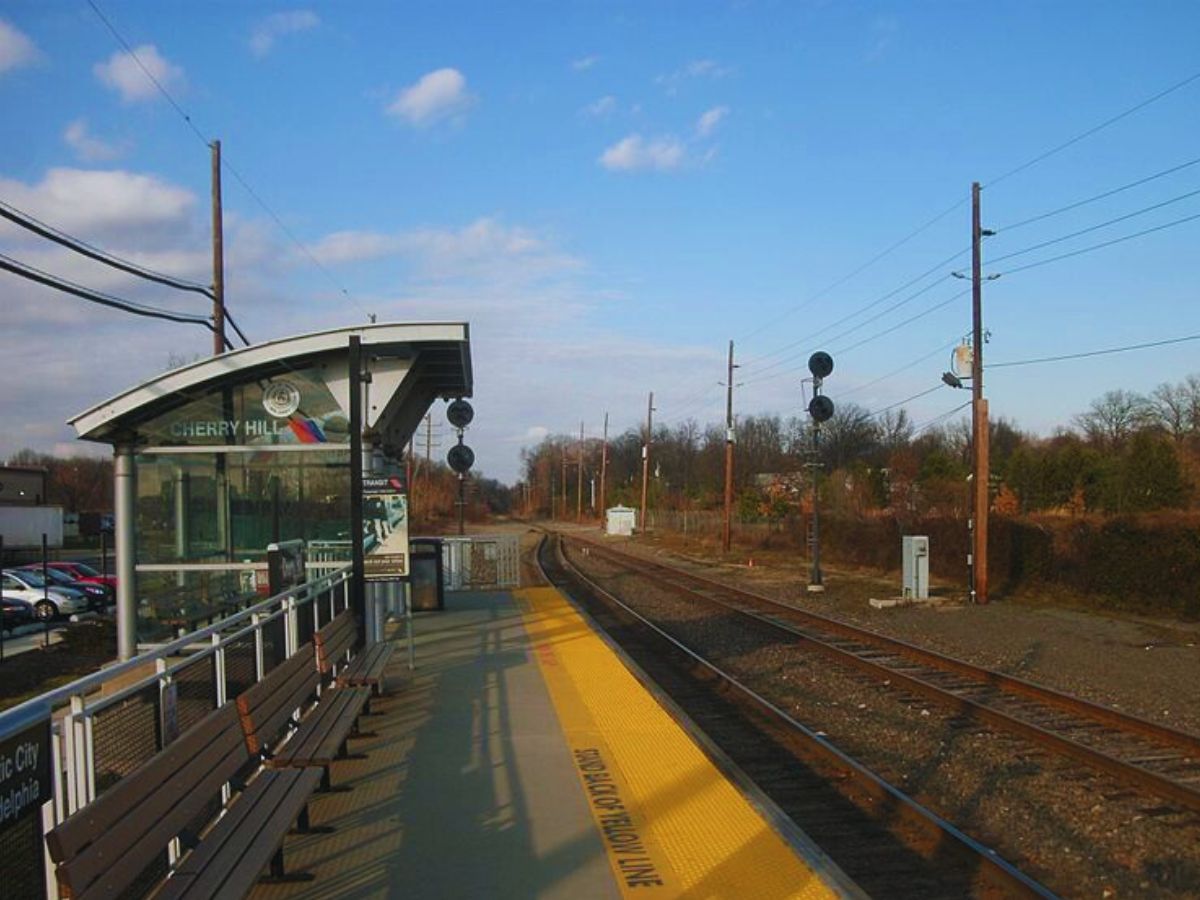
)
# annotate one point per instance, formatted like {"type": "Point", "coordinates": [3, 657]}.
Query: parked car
{"type": "Point", "coordinates": [81, 571]}
{"type": "Point", "coordinates": [14, 613]}
{"type": "Point", "coordinates": [48, 601]}
{"type": "Point", "coordinates": [99, 596]}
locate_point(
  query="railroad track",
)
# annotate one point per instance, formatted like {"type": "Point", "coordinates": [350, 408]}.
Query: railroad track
{"type": "Point", "coordinates": [885, 841]}
{"type": "Point", "coordinates": [1153, 758]}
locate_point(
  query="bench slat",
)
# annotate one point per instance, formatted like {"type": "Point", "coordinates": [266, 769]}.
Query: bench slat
{"type": "Point", "coordinates": [97, 817]}
{"type": "Point", "coordinates": [241, 845]}
{"type": "Point", "coordinates": [105, 867]}
{"type": "Point", "coordinates": [335, 639]}
{"type": "Point", "coordinates": [325, 730]}
{"type": "Point", "coordinates": [266, 708]}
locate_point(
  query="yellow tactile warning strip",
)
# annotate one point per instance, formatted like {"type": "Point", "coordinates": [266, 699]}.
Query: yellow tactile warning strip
{"type": "Point", "coordinates": [672, 824]}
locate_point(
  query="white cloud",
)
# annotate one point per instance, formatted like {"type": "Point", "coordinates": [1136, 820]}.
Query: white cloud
{"type": "Point", "coordinates": [633, 153]}
{"type": "Point", "coordinates": [708, 122]}
{"type": "Point", "coordinates": [603, 107]}
{"type": "Point", "coordinates": [16, 49]}
{"type": "Point", "coordinates": [585, 63]}
{"type": "Point", "coordinates": [123, 74]}
{"type": "Point", "coordinates": [88, 147]}
{"type": "Point", "coordinates": [100, 203]}
{"type": "Point", "coordinates": [437, 95]}
{"type": "Point", "coordinates": [698, 68]}
{"type": "Point", "coordinates": [273, 27]}
{"type": "Point", "coordinates": [485, 250]}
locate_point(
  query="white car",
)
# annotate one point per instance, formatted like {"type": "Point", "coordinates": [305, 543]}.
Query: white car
{"type": "Point", "coordinates": [47, 603]}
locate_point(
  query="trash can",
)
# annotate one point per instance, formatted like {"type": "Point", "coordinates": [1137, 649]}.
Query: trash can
{"type": "Point", "coordinates": [425, 565]}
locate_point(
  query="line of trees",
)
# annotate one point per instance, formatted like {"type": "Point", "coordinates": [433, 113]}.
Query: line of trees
{"type": "Point", "coordinates": [1127, 453]}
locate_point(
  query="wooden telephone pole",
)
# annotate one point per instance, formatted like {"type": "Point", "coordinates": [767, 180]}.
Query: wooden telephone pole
{"type": "Point", "coordinates": [646, 457]}
{"type": "Point", "coordinates": [725, 532]}
{"type": "Point", "coordinates": [218, 246]}
{"type": "Point", "coordinates": [979, 411]}
{"type": "Point", "coordinates": [579, 480]}
{"type": "Point", "coordinates": [603, 471]}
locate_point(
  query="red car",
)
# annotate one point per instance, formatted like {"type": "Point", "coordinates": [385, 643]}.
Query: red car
{"type": "Point", "coordinates": [83, 572]}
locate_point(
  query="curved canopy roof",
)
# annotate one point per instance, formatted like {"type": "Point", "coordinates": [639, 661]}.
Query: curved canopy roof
{"type": "Point", "coordinates": [411, 365]}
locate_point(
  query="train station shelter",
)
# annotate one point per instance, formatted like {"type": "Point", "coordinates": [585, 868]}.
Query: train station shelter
{"type": "Point", "coordinates": [218, 459]}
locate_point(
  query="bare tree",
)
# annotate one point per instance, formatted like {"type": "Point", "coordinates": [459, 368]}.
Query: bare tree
{"type": "Point", "coordinates": [1114, 418]}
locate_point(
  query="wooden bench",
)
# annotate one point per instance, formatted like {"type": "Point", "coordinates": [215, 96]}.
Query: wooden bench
{"type": "Point", "coordinates": [110, 844]}
{"type": "Point", "coordinates": [277, 708]}
{"type": "Point", "coordinates": [367, 667]}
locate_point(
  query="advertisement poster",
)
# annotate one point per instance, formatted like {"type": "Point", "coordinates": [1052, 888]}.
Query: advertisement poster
{"type": "Point", "coordinates": [385, 521]}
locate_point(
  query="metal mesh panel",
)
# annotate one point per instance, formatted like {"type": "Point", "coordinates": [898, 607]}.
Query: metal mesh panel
{"type": "Point", "coordinates": [196, 685]}
{"type": "Point", "coordinates": [125, 735]}
{"type": "Point", "coordinates": [240, 666]}
{"type": "Point", "coordinates": [274, 643]}
{"type": "Point", "coordinates": [21, 852]}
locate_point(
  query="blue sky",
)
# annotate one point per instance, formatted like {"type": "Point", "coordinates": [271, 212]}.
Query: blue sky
{"type": "Point", "coordinates": [609, 193]}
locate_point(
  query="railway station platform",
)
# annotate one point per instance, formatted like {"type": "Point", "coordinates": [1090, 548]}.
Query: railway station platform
{"type": "Point", "coordinates": [523, 758]}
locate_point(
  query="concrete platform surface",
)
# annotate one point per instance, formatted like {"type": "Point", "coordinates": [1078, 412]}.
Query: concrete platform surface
{"type": "Point", "coordinates": [522, 759]}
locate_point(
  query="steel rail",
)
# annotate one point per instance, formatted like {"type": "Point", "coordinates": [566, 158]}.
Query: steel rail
{"type": "Point", "coordinates": [1164, 787]}
{"type": "Point", "coordinates": [1189, 743]}
{"type": "Point", "coordinates": [885, 800]}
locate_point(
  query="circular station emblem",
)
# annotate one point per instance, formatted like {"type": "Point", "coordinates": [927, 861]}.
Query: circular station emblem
{"type": "Point", "coordinates": [281, 399]}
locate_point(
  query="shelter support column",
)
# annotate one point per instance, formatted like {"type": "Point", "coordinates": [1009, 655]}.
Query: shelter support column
{"type": "Point", "coordinates": [124, 492]}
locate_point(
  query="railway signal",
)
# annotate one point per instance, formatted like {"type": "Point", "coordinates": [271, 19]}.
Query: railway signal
{"type": "Point", "coordinates": [820, 408]}
{"type": "Point", "coordinates": [460, 457]}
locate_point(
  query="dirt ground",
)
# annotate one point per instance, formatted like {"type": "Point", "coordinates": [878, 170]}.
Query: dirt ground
{"type": "Point", "coordinates": [1145, 667]}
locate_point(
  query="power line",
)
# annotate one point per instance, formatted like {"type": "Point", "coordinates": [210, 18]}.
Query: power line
{"type": "Point", "coordinates": [1100, 196]}
{"type": "Point", "coordinates": [914, 280]}
{"type": "Point", "coordinates": [938, 419]}
{"type": "Point", "coordinates": [37, 275]}
{"type": "Point", "coordinates": [28, 222]}
{"type": "Point", "coordinates": [1086, 134]}
{"type": "Point", "coordinates": [874, 259]}
{"type": "Point", "coordinates": [1091, 228]}
{"type": "Point", "coordinates": [882, 410]}
{"type": "Point", "coordinates": [224, 160]}
{"type": "Point", "coordinates": [1089, 353]}
{"type": "Point", "coordinates": [904, 368]}
{"type": "Point", "coordinates": [907, 321]}
{"type": "Point", "coordinates": [1082, 250]}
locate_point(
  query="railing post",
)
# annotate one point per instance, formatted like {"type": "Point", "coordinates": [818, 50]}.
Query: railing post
{"type": "Point", "coordinates": [293, 625]}
{"type": "Point", "coordinates": [219, 668]}
{"type": "Point", "coordinates": [260, 664]}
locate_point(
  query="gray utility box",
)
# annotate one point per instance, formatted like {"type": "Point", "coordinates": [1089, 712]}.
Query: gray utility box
{"type": "Point", "coordinates": [914, 553]}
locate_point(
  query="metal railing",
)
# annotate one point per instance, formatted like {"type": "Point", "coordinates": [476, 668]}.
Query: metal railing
{"type": "Point", "coordinates": [105, 725]}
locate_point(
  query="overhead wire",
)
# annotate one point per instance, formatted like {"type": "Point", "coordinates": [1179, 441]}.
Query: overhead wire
{"type": "Point", "coordinates": [1101, 196]}
{"type": "Point", "coordinates": [1093, 130]}
{"type": "Point", "coordinates": [1100, 246]}
{"type": "Point", "coordinates": [224, 160]}
{"type": "Point", "coordinates": [1090, 353]}
{"type": "Point", "coordinates": [903, 368]}
{"type": "Point", "coordinates": [138, 309]}
{"type": "Point", "coordinates": [1097, 227]}
{"type": "Point", "coordinates": [29, 223]}
{"type": "Point", "coordinates": [939, 419]}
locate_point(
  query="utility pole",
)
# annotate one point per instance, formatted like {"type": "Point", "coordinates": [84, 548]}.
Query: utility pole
{"type": "Point", "coordinates": [563, 480]}
{"type": "Point", "coordinates": [579, 481]}
{"type": "Point", "coordinates": [979, 410]}
{"type": "Point", "coordinates": [218, 246]}
{"type": "Point", "coordinates": [603, 470]}
{"type": "Point", "coordinates": [646, 456]}
{"type": "Point", "coordinates": [725, 532]}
